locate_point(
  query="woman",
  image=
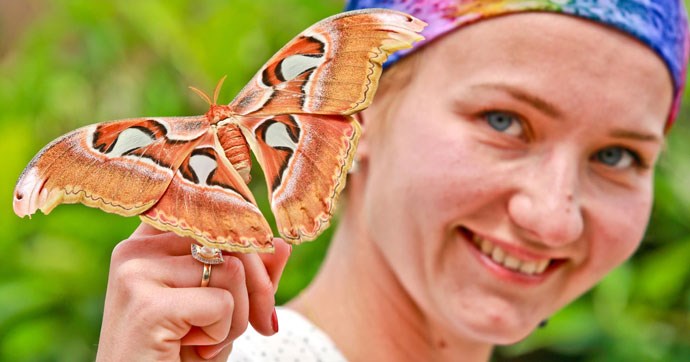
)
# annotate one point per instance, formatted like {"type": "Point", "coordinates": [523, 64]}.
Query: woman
{"type": "Point", "coordinates": [505, 168]}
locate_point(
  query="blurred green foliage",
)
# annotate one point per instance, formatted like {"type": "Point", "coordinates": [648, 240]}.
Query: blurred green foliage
{"type": "Point", "coordinates": [64, 64]}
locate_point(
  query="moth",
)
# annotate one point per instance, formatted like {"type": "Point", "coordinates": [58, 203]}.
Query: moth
{"type": "Point", "coordinates": [189, 175]}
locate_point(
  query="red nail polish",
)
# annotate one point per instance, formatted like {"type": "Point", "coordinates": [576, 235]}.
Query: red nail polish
{"type": "Point", "coordinates": [274, 321]}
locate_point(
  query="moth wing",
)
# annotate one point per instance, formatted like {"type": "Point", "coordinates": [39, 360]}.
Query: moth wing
{"type": "Point", "coordinates": [333, 67]}
{"type": "Point", "coordinates": [305, 159]}
{"type": "Point", "coordinates": [122, 167]}
{"type": "Point", "coordinates": [209, 201]}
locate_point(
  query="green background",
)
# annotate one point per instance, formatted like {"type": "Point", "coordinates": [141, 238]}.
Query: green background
{"type": "Point", "coordinates": [64, 64]}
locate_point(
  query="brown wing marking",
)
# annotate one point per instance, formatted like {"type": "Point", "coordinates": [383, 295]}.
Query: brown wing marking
{"type": "Point", "coordinates": [331, 68]}
{"type": "Point", "coordinates": [121, 167]}
{"type": "Point", "coordinates": [305, 159]}
{"type": "Point", "coordinates": [208, 201]}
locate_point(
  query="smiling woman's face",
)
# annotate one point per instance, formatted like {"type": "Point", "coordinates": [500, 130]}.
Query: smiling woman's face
{"type": "Point", "coordinates": [515, 169]}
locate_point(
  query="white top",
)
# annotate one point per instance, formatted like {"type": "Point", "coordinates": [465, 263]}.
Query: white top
{"type": "Point", "coordinates": [297, 340]}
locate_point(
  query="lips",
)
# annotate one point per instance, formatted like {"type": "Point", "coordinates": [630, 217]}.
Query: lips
{"type": "Point", "coordinates": [521, 264]}
{"type": "Point", "coordinates": [508, 260]}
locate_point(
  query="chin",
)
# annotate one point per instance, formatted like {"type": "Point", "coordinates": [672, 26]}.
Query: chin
{"type": "Point", "coordinates": [495, 327]}
{"type": "Point", "coordinates": [496, 335]}
{"type": "Point", "coordinates": [504, 332]}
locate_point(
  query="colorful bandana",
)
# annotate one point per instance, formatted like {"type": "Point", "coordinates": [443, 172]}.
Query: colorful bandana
{"type": "Point", "coordinates": [661, 24]}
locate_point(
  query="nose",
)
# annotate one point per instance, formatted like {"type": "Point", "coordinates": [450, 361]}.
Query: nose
{"type": "Point", "coordinates": [545, 206]}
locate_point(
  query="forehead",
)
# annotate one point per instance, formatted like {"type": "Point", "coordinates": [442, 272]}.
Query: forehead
{"type": "Point", "coordinates": [554, 54]}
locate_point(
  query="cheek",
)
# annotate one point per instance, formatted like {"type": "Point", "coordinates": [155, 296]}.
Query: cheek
{"type": "Point", "coordinates": [423, 166]}
{"type": "Point", "coordinates": [425, 173]}
{"type": "Point", "coordinates": [615, 228]}
{"type": "Point", "coordinates": [401, 185]}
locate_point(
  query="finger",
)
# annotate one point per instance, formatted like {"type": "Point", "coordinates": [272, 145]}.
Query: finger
{"type": "Point", "coordinates": [219, 352]}
{"type": "Point", "coordinates": [263, 273]}
{"type": "Point", "coordinates": [210, 309]}
{"type": "Point", "coordinates": [185, 271]}
{"type": "Point", "coordinates": [275, 263]}
{"type": "Point", "coordinates": [169, 244]}
{"type": "Point", "coordinates": [155, 319]}
{"type": "Point", "coordinates": [198, 338]}
{"type": "Point", "coordinates": [229, 276]}
{"type": "Point", "coordinates": [158, 245]}
{"type": "Point", "coordinates": [183, 274]}
{"type": "Point", "coordinates": [148, 238]}
{"type": "Point", "coordinates": [154, 243]}
{"type": "Point", "coordinates": [261, 296]}
{"type": "Point", "coordinates": [206, 353]}
{"type": "Point", "coordinates": [145, 229]}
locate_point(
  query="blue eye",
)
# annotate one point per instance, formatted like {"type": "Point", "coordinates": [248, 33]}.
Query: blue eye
{"type": "Point", "coordinates": [617, 157]}
{"type": "Point", "coordinates": [504, 122]}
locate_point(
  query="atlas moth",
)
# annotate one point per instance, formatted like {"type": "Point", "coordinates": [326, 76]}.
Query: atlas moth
{"type": "Point", "coordinates": [189, 175]}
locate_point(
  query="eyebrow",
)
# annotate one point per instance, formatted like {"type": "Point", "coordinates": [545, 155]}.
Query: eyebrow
{"type": "Point", "coordinates": [540, 104]}
{"type": "Point", "coordinates": [634, 135]}
{"type": "Point", "coordinates": [551, 110]}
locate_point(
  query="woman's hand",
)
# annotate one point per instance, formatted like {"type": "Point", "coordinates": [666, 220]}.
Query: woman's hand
{"type": "Point", "coordinates": [156, 310]}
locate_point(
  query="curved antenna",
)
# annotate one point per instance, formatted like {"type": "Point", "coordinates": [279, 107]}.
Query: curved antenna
{"type": "Point", "coordinates": [217, 90]}
{"type": "Point", "coordinates": [202, 95]}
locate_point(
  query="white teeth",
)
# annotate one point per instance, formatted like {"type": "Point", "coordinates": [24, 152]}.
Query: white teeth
{"type": "Point", "coordinates": [528, 267]}
{"type": "Point", "coordinates": [509, 261]}
{"type": "Point", "coordinates": [512, 262]}
{"type": "Point", "coordinates": [541, 266]}
{"type": "Point", "coordinates": [498, 255]}
{"type": "Point", "coordinates": [487, 247]}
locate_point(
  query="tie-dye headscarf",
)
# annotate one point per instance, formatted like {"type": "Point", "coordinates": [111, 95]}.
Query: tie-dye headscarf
{"type": "Point", "coordinates": [661, 24]}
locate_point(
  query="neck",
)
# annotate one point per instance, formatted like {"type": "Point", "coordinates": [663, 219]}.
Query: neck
{"type": "Point", "coordinates": [360, 303]}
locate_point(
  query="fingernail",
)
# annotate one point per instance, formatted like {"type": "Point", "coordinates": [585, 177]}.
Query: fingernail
{"type": "Point", "coordinates": [274, 321]}
{"type": "Point", "coordinates": [216, 353]}
{"type": "Point", "coordinates": [290, 245]}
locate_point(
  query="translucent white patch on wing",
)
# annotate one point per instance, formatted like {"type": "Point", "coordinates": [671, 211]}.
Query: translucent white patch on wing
{"type": "Point", "coordinates": [130, 139]}
{"type": "Point", "coordinates": [295, 65]}
{"type": "Point", "coordinates": [277, 136]}
{"type": "Point", "coordinates": [313, 89]}
{"type": "Point", "coordinates": [202, 166]}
